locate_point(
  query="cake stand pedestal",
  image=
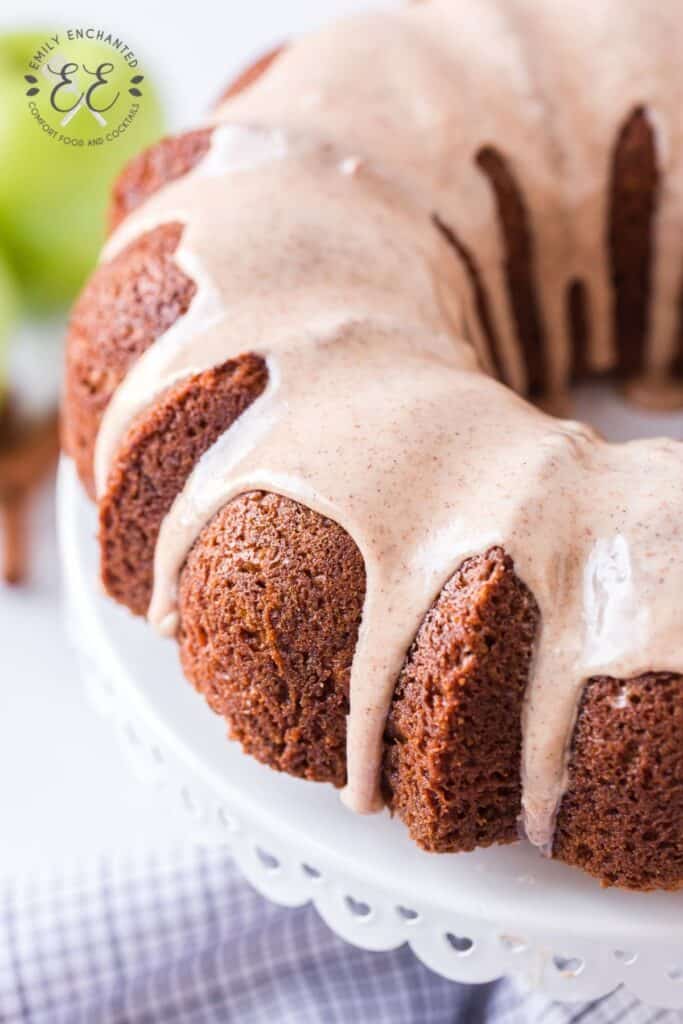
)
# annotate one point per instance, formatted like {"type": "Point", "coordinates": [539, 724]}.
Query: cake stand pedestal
{"type": "Point", "coordinates": [471, 917]}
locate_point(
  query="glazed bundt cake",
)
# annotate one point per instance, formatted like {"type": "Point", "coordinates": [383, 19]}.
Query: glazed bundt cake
{"type": "Point", "coordinates": [306, 388]}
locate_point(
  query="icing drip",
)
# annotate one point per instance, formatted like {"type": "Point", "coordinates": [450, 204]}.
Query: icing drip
{"type": "Point", "coordinates": [312, 242]}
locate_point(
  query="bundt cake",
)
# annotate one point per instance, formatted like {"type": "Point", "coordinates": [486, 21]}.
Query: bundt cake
{"type": "Point", "coordinates": [308, 387]}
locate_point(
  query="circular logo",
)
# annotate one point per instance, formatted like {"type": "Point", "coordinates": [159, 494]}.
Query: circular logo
{"type": "Point", "coordinates": [83, 87]}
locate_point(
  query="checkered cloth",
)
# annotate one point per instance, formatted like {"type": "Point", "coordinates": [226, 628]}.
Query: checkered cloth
{"type": "Point", "coordinates": [182, 939]}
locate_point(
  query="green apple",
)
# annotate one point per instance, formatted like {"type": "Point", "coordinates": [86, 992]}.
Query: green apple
{"type": "Point", "coordinates": [54, 192]}
{"type": "Point", "coordinates": [9, 306]}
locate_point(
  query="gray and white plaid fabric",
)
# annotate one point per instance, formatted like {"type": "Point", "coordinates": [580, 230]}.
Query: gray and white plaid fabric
{"type": "Point", "coordinates": [182, 939]}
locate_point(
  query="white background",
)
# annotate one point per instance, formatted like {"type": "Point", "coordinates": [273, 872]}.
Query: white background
{"type": "Point", "coordinates": [64, 788]}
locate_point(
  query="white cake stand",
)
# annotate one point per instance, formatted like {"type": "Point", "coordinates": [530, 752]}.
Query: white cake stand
{"type": "Point", "coordinates": [471, 917]}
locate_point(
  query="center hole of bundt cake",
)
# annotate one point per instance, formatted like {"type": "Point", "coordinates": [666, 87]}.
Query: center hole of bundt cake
{"type": "Point", "coordinates": [629, 234]}
{"type": "Point", "coordinates": [617, 419]}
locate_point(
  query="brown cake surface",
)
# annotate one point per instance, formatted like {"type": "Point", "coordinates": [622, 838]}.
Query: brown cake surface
{"type": "Point", "coordinates": [128, 303]}
{"type": "Point", "coordinates": [270, 603]}
{"type": "Point", "coordinates": [454, 737]}
{"type": "Point", "coordinates": [622, 817]}
{"type": "Point", "coordinates": [153, 463]}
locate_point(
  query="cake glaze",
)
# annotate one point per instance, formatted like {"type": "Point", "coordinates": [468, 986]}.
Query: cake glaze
{"type": "Point", "coordinates": [326, 239]}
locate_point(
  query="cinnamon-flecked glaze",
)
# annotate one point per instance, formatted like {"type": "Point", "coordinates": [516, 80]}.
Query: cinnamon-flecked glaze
{"type": "Point", "coordinates": [168, 159]}
{"type": "Point", "coordinates": [383, 230]}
